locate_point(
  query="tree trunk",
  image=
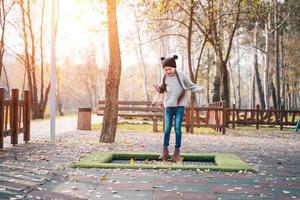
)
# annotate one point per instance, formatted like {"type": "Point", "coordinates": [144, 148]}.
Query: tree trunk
{"type": "Point", "coordinates": [232, 83]}
{"type": "Point", "coordinates": [2, 25]}
{"type": "Point", "coordinates": [216, 85]}
{"type": "Point", "coordinates": [224, 83]}
{"type": "Point", "coordinates": [267, 63]}
{"type": "Point", "coordinates": [239, 74]}
{"type": "Point", "coordinates": [38, 108]}
{"type": "Point", "coordinates": [112, 82]}
{"type": "Point", "coordinates": [58, 96]}
{"type": "Point", "coordinates": [140, 52]}
{"type": "Point", "coordinates": [273, 93]}
{"type": "Point", "coordinates": [4, 10]}
{"type": "Point", "coordinates": [257, 76]}
{"type": "Point", "coordinates": [282, 70]}
{"type": "Point", "coordinates": [252, 91]}
{"type": "Point", "coordinates": [277, 54]}
{"type": "Point", "coordinates": [189, 54]}
{"type": "Point", "coordinates": [27, 61]}
{"type": "Point", "coordinates": [42, 55]}
{"type": "Point", "coordinates": [207, 76]}
{"type": "Point", "coordinates": [6, 80]}
{"type": "Point", "coordinates": [289, 99]}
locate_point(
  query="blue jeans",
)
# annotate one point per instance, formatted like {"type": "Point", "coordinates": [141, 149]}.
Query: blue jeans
{"type": "Point", "coordinates": [170, 112]}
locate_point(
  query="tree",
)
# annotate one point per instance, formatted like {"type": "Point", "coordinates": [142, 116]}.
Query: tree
{"type": "Point", "coordinates": [38, 105]}
{"type": "Point", "coordinates": [140, 51]}
{"type": "Point", "coordinates": [255, 68]}
{"type": "Point", "coordinates": [213, 21]}
{"type": "Point", "coordinates": [112, 82]}
{"type": "Point", "coordinates": [4, 10]}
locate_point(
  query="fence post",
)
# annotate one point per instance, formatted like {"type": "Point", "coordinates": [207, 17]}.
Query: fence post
{"type": "Point", "coordinates": [224, 117]}
{"type": "Point", "coordinates": [281, 117]}
{"type": "Point", "coordinates": [2, 97]}
{"type": "Point", "coordinates": [187, 119]}
{"type": "Point", "coordinates": [257, 116]}
{"type": "Point", "coordinates": [27, 116]}
{"type": "Point", "coordinates": [154, 120]}
{"type": "Point", "coordinates": [233, 115]}
{"type": "Point", "coordinates": [192, 119]}
{"type": "Point", "coordinates": [14, 113]}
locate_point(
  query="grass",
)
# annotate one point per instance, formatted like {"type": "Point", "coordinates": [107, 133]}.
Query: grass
{"type": "Point", "coordinates": [130, 127]}
{"type": "Point", "coordinates": [224, 162]}
{"type": "Point", "coordinates": [262, 128]}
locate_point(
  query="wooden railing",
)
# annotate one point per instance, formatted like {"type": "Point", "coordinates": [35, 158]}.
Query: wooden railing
{"type": "Point", "coordinates": [136, 109]}
{"type": "Point", "coordinates": [213, 116]}
{"type": "Point", "coordinates": [14, 116]}
{"type": "Point", "coordinates": [262, 117]}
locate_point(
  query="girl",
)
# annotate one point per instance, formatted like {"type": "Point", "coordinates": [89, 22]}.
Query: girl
{"type": "Point", "coordinates": [174, 85]}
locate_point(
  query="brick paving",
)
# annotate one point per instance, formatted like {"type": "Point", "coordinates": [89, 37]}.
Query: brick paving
{"type": "Point", "coordinates": [40, 169]}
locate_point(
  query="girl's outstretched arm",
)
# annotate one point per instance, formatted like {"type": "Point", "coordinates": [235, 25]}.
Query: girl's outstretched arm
{"type": "Point", "coordinates": [192, 86]}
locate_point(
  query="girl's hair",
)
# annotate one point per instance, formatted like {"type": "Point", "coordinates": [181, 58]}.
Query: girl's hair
{"type": "Point", "coordinates": [163, 87]}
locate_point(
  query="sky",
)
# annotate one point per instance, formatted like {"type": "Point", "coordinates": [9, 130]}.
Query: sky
{"type": "Point", "coordinates": [82, 26]}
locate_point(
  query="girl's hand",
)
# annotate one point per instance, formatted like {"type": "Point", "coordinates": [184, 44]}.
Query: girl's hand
{"type": "Point", "coordinates": [156, 87]}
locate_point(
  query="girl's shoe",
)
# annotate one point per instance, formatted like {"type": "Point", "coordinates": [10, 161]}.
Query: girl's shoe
{"type": "Point", "coordinates": [164, 154]}
{"type": "Point", "coordinates": [176, 155]}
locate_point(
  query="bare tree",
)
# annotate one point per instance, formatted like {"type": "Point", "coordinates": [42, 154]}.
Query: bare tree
{"type": "Point", "coordinates": [112, 82]}
{"type": "Point", "coordinates": [38, 106]}
{"type": "Point", "coordinates": [4, 10]}
{"type": "Point", "coordinates": [255, 68]}
{"type": "Point", "coordinates": [277, 56]}
{"type": "Point", "coordinates": [140, 51]}
{"type": "Point", "coordinates": [239, 73]}
{"type": "Point", "coordinates": [215, 26]}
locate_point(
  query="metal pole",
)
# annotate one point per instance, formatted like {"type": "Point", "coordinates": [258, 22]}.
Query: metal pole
{"type": "Point", "coordinates": [53, 85]}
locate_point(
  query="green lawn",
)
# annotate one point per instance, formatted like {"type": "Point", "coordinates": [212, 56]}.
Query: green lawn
{"type": "Point", "coordinates": [130, 127]}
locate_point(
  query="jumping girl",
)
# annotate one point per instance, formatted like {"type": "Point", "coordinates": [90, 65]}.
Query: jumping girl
{"type": "Point", "coordinates": [174, 85]}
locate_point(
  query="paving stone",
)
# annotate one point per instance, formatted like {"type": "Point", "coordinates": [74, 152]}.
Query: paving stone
{"type": "Point", "coordinates": [50, 195]}
{"type": "Point", "coordinates": [181, 187]}
{"type": "Point", "coordinates": [179, 179]}
{"type": "Point", "coordinates": [121, 194]}
{"type": "Point", "coordinates": [233, 189]}
{"type": "Point", "coordinates": [13, 185]}
{"type": "Point", "coordinates": [173, 195]}
{"type": "Point", "coordinates": [243, 197]}
{"type": "Point", "coordinates": [9, 193]}
{"type": "Point", "coordinates": [240, 182]}
{"type": "Point", "coordinates": [125, 186]}
{"type": "Point", "coordinates": [279, 184]}
{"type": "Point", "coordinates": [55, 179]}
{"type": "Point", "coordinates": [285, 191]}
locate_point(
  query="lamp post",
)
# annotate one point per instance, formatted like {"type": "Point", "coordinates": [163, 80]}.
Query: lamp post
{"type": "Point", "coordinates": [53, 84]}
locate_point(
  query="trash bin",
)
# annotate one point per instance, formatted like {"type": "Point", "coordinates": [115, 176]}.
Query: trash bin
{"type": "Point", "coordinates": [84, 119]}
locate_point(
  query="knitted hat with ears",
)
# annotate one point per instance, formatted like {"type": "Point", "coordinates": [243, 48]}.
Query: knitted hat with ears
{"type": "Point", "coordinates": [170, 62]}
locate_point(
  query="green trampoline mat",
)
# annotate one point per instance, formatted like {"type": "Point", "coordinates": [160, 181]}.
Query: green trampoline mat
{"type": "Point", "coordinates": [147, 160]}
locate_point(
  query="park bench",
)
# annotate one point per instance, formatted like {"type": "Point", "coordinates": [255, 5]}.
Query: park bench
{"type": "Point", "coordinates": [136, 109]}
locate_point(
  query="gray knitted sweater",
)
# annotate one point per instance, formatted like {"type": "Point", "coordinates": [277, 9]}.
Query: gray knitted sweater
{"type": "Point", "coordinates": [174, 89]}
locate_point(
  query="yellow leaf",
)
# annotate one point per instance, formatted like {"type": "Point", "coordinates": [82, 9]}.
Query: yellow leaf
{"type": "Point", "coordinates": [180, 159]}
{"type": "Point", "coordinates": [131, 161]}
{"type": "Point", "coordinates": [103, 178]}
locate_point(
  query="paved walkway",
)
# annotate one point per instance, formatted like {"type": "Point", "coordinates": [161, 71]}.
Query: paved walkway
{"type": "Point", "coordinates": [40, 169]}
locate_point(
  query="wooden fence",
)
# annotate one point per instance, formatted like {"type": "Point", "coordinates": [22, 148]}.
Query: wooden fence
{"type": "Point", "coordinates": [136, 109]}
{"type": "Point", "coordinates": [213, 116]}
{"type": "Point", "coordinates": [14, 116]}
{"type": "Point", "coordinates": [259, 117]}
